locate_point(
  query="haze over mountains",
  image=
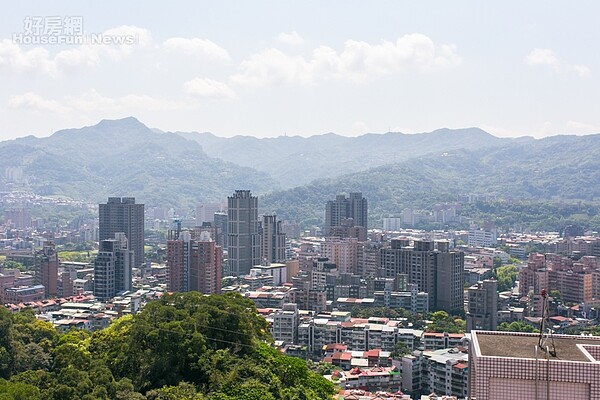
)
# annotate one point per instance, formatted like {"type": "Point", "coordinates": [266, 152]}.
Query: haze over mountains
{"type": "Point", "coordinates": [393, 170]}
{"type": "Point", "coordinates": [297, 160]}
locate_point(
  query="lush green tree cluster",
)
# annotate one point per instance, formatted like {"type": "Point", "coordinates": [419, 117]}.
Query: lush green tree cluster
{"type": "Point", "coordinates": [506, 276]}
{"type": "Point", "coordinates": [13, 264]}
{"type": "Point", "coordinates": [441, 321]}
{"type": "Point", "coordinates": [400, 350]}
{"type": "Point", "coordinates": [516, 326]}
{"type": "Point", "coordinates": [184, 346]}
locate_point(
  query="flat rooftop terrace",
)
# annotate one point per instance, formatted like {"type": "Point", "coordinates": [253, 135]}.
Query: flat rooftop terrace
{"type": "Point", "coordinates": [520, 345]}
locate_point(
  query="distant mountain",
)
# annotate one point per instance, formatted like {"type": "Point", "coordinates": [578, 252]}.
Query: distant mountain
{"type": "Point", "coordinates": [296, 160]}
{"type": "Point", "coordinates": [393, 170]}
{"type": "Point", "coordinates": [125, 157]}
{"type": "Point", "coordinates": [555, 168]}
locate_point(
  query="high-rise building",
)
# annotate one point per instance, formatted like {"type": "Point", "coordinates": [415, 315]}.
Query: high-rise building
{"type": "Point", "coordinates": [432, 266]}
{"type": "Point", "coordinates": [46, 261]}
{"type": "Point", "coordinates": [482, 306]}
{"type": "Point", "coordinates": [205, 267]}
{"type": "Point", "coordinates": [482, 238]}
{"type": "Point", "coordinates": [343, 208]}
{"type": "Point", "coordinates": [221, 222]}
{"type": "Point", "coordinates": [285, 323]}
{"type": "Point", "coordinates": [122, 214]}
{"type": "Point", "coordinates": [19, 217]}
{"type": "Point", "coordinates": [178, 261]}
{"type": "Point", "coordinates": [112, 267]}
{"type": "Point", "coordinates": [193, 264]}
{"type": "Point", "coordinates": [272, 240]}
{"type": "Point", "coordinates": [358, 209]}
{"type": "Point", "coordinates": [67, 279]}
{"type": "Point", "coordinates": [335, 211]}
{"type": "Point", "coordinates": [392, 224]}
{"type": "Point", "coordinates": [243, 236]}
{"type": "Point", "coordinates": [205, 212]}
{"type": "Point", "coordinates": [511, 365]}
{"type": "Point", "coordinates": [341, 252]}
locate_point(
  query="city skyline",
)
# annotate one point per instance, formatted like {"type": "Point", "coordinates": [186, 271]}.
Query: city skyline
{"type": "Point", "coordinates": [511, 69]}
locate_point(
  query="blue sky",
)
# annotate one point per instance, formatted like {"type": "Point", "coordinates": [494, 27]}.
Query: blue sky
{"type": "Point", "coordinates": [303, 68]}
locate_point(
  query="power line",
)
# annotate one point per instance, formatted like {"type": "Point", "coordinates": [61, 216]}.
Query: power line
{"type": "Point", "coordinates": [214, 327]}
{"type": "Point", "coordinates": [207, 337]}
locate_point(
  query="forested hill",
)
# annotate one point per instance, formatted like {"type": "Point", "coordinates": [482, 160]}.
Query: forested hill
{"type": "Point", "coordinates": [294, 161]}
{"type": "Point", "coordinates": [184, 346]}
{"type": "Point", "coordinates": [125, 157]}
{"type": "Point", "coordinates": [393, 170]}
{"type": "Point", "coordinates": [563, 168]}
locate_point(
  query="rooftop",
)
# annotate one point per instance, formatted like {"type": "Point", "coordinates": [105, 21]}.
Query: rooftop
{"type": "Point", "coordinates": [522, 345]}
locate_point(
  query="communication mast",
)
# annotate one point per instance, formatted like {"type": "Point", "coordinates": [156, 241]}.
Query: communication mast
{"type": "Point", "coordinates": [545, 324]}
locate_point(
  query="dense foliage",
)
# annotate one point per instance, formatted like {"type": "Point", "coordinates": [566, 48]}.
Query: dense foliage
{"type": "Point", "coordinates": [184, 346]}
{"type": "Point", "coordinates": [516, 326]}
{"type": "Point", "coordinates": [441, 322]}
{"type": "Point", "coordinates": [160, 169]}
{"type": "Point", "coordinates": [506, 277]}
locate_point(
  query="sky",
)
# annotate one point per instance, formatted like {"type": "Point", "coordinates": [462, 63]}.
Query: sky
{"type": "Point", "coordinates": [271, 68]}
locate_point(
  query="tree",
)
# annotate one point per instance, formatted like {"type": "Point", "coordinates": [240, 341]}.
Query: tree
{"type": "Point", "coordinates": [442, 322]}
{"type": "Point", "coordinates": [18, 391]}
{"type": "Point", "coordinates": [6, 349]}
{"type": "Point", "coordinates": [185, 345]}
{"type": "Point", "coordinates": [516, 326]}
{"type": "Point", "coordinates": [321, 368]}
{"type": "Point", "coordinates": [506, 276]}
{"type": "Point", "coordinates": [183, 391]}
{"type": "Point", "coordinates": [14, 265]}
{"type": "Point", "coordinates": [400, 350]}
{"type": "Point", "coordinates": [497, 262]}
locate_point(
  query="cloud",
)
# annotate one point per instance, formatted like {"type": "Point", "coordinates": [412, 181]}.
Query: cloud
{"type": "Point", "coordinates": [82, 57]}
{"type": "Point", "coordinates": [581, 70]}
{"type": "Point", "coordinates": [138, 36]}
{"type": "Point", "coordinates": [34, 102]}
{"type": "Point", "coordinates": [15, 59]}
{"type": "Point", "coordinates": [542, 57]}
{"type": "Point", "coordinates": [272, 66]}
{"type": "Point", "coordinates": [359, 128]}
{"type": "Point", "coordinates": [581, 128]}
{"type": "Point", "coordinates": [197, 47]}
{"type": "Point", "coordinates": [357, 61]}
{"type": "Point", "coordinates": [91, 102]}
{"type": "Point", "coordinates": [152, 103]}
{"type": "Point", "coordinates": [203, 87]}
{"type": "Point", "coordinates": [115, 43]}
{"type": "Point", "coordinates": [291, 38]}
{"type": "Point", "coordinates": [547, 58]}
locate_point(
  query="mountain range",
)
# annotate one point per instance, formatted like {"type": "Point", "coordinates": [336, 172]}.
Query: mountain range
{"type": "Point", "coordinates": [125, 157]}
{"type": "Point", "coordinates": [296, 160]}
{"type": "Point", "coordinates": [296, 175]}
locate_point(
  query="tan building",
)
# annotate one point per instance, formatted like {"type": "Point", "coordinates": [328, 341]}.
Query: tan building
{"type": "Point", "coordinates": [506, 365]}
{"type": "Point", "coordinates": [341, 252]}
{"type": "Point", "coordinates": [193, 264]}
{"type": "Point", "coordinates": [575, 287]}
{"type": "Point", "coordinates": [47, 268]}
